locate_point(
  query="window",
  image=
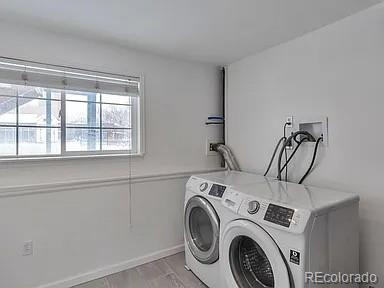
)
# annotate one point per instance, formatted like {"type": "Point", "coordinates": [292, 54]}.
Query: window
{"type": "Point", "coordinates": [45, 120]}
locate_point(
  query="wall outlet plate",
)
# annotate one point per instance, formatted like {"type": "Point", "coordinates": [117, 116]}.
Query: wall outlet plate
{"type": "Point", "coordinates": [27, 248]}
{"type": "Point", "coordinates": [289, 119]}
{"type": "Point", "coordinates": [317, 126]}
{"type": "Point", "coordinates": [290, 147]}
{"type": "Point", "coordinates": [288, 130]}
{"type": "Point", "coordinates": [208, 149]}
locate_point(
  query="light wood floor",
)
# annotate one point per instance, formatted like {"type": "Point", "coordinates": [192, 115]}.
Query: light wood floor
{"type": "Point", "coordinates": [164, 273]}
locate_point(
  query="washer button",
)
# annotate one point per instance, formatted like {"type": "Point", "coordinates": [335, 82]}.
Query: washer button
{"type": "Point", "coordinates": [253, 207]}
{"type": "Point", "coordinates": [203, 186]}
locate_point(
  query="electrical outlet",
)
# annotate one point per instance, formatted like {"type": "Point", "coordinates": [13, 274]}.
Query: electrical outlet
{"type": "Point", "coordinates": [28, 248]}
{"type": "Point", "coordinates": [289, 120]}
{"type": "Point", "coordinates": [289, 126]}
{"type": "Point", "coordinates": [209, 148]}
{"type": "Point", "coordinates": [289, 146]}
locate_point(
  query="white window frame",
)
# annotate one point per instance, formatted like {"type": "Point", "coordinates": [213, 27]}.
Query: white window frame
{"type": "Point", "coordinates": [140, 135]}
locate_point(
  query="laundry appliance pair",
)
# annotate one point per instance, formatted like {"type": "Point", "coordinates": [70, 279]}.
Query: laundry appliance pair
{"type": "Point", "coordinates": [249, 231]}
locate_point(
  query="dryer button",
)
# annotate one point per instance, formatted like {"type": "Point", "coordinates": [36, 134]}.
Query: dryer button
{"type": "Point", "coordinates": [203, 186]}
{"type": "Point", "coordinates": [253, 207]}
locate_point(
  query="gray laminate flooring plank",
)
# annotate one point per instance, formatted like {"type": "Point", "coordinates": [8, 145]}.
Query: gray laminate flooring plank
{"type": "Point", "coordinates": [167, 281]}
{"type": "Point", "coordinates": [127, 279]}
{"type": "Point", "coordinates": [98, 283]}
{"type": "Point", "coordinates": [164, 273]}
{"type": "Point", "coordinates": [177, 263]}
{"type": "Point", "coordinates": [154, 270]}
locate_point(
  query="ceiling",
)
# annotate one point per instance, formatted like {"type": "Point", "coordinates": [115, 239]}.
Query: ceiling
{"type": "Point", "coordinates": [213, 31]}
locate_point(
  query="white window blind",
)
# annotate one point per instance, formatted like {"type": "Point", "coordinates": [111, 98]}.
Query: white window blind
{"type": "Point", "coordinates": [60, 77]}
{"type": "Point", "coordinates": [48, 110]}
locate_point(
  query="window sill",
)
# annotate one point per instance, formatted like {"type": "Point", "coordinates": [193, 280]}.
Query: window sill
{"type": "Point", "coordinates": [38, 159]}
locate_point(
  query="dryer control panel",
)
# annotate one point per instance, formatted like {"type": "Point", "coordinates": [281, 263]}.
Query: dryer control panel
{"type": "Point", "coordinates": [206, 188]}
{"type": "Point", "coordinates": [217, 190]}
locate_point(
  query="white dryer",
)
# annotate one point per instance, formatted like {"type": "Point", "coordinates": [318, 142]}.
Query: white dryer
{"type": "Point", "coordinates": [274, 232]}
{"type": "Point", "coordinates": [203, 211]}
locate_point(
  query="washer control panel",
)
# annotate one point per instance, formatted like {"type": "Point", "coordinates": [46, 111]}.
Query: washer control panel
{"type": "Point", "coordinates": [279, 215]}
{"type": "Point", "coordinates": [266, 212]}
{"type": "Point", "coordinates": [203, 186]}
{"type": "Point", "coordinates": [253, 206]}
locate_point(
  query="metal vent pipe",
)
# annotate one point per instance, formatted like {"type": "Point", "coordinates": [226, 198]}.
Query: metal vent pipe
{"type": "Point", "coordinates": [227, 155]}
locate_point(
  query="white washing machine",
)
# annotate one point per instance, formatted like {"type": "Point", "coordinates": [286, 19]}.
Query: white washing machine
{"type": "Point", "coordinates": [274, 232]}
{"type": "Point", "coordinates": [203, 211]}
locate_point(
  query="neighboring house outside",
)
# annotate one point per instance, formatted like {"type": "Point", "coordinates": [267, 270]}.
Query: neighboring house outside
{"type": "Point", "coordinates": [36, 112]}
{"type": "Point", "coordinates": [32, 115]}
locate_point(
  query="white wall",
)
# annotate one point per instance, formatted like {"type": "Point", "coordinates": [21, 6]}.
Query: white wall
{"type": "Point", "coordinates": [179, 97]}
{"type": "Point", "coordinates": [88, 231]}
{"type": "Point", "coordinates": [338, 72]}
{"type": "Point", "coordinates": [82, 231]}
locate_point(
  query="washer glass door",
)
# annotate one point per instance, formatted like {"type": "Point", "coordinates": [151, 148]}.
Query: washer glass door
{"type": "Point", "coordinates": [202, 230]}
{"type": "Point", "coordinates": [251, 258]}
{"type": "Point", "coordinates": [250, 266]}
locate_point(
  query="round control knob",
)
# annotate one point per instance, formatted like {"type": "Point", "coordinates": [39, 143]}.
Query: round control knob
{"type": "Point", "coordinates": [203, 186]}
{"type": "Point", "coordinates": [253, 207]}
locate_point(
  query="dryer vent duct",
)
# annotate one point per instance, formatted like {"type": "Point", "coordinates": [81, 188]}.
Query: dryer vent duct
{"type": "Point", "coordinates": [227, 155]}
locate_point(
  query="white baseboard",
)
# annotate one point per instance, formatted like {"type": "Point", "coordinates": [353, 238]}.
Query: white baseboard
{"type": "Point", "coordinates": [111, 269]}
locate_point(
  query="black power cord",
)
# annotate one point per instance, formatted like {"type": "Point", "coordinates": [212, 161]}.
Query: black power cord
{"type": "Point", "coordinates": [294, 152]}
{"type": "Point", "coordinates": [275, 151]}
{"type": "Point", "coordinates": [286, 143]}
{"type": "Point", "coordinates": [274, 154]}
{"type": "Point", "coordinates": [285, 150]}
{"type": "Point", "coordinates": [313, 160]}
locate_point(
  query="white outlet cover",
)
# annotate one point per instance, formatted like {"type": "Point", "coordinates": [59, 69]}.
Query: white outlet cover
{"type": "Point", "coordinates": [289, 119]}
{"type": "Point", "coordinates": [322, 121]}
{"type": "Point", "coordinates": [208, 142]}
{"type": "Point", "coordinates": [28, 248]}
